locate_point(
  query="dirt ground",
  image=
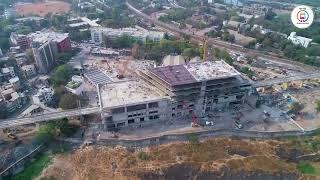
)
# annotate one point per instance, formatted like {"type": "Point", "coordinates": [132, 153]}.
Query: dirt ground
{"type": "Point", "coordinates": [43, 8]}
{"type": "Point", "coordinates": [241, 39]}
{"type": "Point", "coordinates": [310, 118]}
{"type": "Point", "coordinates": [212, 156]}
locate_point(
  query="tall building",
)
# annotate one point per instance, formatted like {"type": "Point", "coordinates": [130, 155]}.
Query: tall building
{"type": "Point", "coordinates": [44, 55]}
{"type": "Point", "coordinates": [46, 45]}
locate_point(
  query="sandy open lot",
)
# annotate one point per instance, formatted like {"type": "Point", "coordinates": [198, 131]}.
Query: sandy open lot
{"type": "Point", "coordinates": [43, 8]}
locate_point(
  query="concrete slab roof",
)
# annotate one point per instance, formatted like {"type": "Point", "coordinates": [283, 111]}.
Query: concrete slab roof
{"type": "Point", "coordinates": [174, 75]}
{"type": "Point", "coordinates": [194, 72]}
{"type": "Point", "coordinates": [128, 93]}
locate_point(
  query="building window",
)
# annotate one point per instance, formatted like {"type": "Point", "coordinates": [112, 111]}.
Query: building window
{"type": "Point", "coordinates": [154, 117]}
{"type": "Point", "coordinates": [141, 119]}
{"type": "Point", "coordinates": [153, 105]}
{"type": "Point", "coordinates": [130, 121]}
{"type": "Point", "coordinates": [121, 124]}
{"type": "Point", "coordinates": [173, 115]}
{"type": "Point", "coordinates": [118, 110]}
{"type": "Point", "coordinates": [136, 107]}
{"type": "Point", "coordinates": [153, 112]}
{"type": "Point", "coordinates": [111, 126]}
{"type": "Point", "coordinates": [239, 96]}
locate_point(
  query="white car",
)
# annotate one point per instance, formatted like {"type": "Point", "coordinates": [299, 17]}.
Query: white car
{"type": "Point", "coordinates": [209, 123]}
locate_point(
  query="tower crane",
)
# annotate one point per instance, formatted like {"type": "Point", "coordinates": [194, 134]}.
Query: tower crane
{"type": "Point", "coordinates": [194, 122]}
{"type": "Point", "coordinates": [205, 49]}
{"type": "Point", "coordinates": [105, 60]}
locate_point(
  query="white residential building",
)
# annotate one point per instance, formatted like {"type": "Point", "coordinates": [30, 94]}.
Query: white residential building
{"type": "Point", "coordinates": [44, 96]}
{"type": "Point", "coordinates": [173, 60]}
{"type": "Point", "coordinates": [15, 82]}
{"type": "Point", "coordinates": [8, 71]}
{"type": "Point", "coordinates": [76, 85]}
{"type": "Point", "coordinates": [138, 32]}
{"type": "Point", "coordinates": [298, 40]}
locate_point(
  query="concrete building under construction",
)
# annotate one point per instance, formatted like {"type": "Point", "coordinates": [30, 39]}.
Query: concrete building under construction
{"type": "Point", "coordinates": [173, 93]}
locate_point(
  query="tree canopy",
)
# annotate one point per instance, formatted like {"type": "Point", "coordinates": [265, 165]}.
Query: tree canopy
{"type": "Point", "coordinates": [222, 55]}
{"type": "Point", "coordinates": [69, 101]}
{"type": "Point", "coordinates": [61, 75]}
{"type": "Point", "coordinates": [124, 41]}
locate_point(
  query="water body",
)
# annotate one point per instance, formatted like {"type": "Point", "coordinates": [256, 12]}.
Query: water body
{"type": "Point", "coordinates": [233, 2]}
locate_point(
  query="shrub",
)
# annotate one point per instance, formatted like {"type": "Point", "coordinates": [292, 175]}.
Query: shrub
{"type": "Point", "coordinates": [143, 156]}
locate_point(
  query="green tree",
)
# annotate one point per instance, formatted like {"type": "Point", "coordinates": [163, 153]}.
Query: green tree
{"type": "Point", "coordinates": [222, 55]}
{"type": "Point", "coordinates": [61, 75]}
{"type": "Point", "coordinates": [4, 43]}
{"type": "Point", "coordinates": [46, 132]}
{"type": "Point", "coordinates": [246, 70]}
{"type": "Point", "coordinates": [190, 52]}
{"type": "Point", "coordinates": [296, 107]}
{"type": "Point", "coordinates": [143, 156]}
{"type": "Point", "coordinates": [50, 130]}
{"type": "Point", "coordinates": [64, 57]}
{"type": "Point", "coordinates": [318, 106]}
{"type": "Point", "coordinates": [69, 101]}
{"type": "Point", "coordinates": [3, 111]}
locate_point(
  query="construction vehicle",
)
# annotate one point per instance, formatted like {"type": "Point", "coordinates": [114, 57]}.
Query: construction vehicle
{"type": "Point", "coordinates": [12, 136]}
{"type": "Point", "coordinates": [194, 122]}
{"type": "Point", "coordinates": [238, 125]}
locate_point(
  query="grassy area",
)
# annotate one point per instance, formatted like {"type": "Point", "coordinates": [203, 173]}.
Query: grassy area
{"type": "Point", "coordinates": [35, 168]}
{"type": "Point", "coordinates": [307, 168]}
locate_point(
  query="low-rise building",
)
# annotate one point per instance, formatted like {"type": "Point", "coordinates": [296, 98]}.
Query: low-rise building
{"type": "Point", "coordinates": [29, 70]}
{"type": "Point", "coordinates": [31, 110]}
{"type": "Point", "coordinates": [12, 99]}
{"type": "Point", "coordinates": [8, 72]}
{"type": "Point", "coordinates": [173, 60]}
{"type": "Point", "coordinates": [76, 85]}
{"type": "Point", "coordinates": [20, 40]}
{"type": "Point", "coordinates": [15, 82]}
{"type": "Point", "coordinates": [257, 10]}
{"type": "Point", "coordinates": [15, 102]}
{"type": "Point", "coordinates": [299, 40]}
{"type": "Point", "coordinates": [98, 33]}
{"type": "Point", "coordinates": [44, 96]}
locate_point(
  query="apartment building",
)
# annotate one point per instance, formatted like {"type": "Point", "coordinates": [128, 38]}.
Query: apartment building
{"type": "Point", "coordinates": [20, 40]}
{"type": "Point", "coordinates": [173, 93]}
{"type": "Point", "coordinates": [46, 45]}
{"type": "Point", "coordinates": [44, 96]}
{"type": "Point", "coordinates": [29, 70]}
{"type": "Point", "coordinates": [130, 103]}
{"type": "Point", "coordinates": [98, 33]}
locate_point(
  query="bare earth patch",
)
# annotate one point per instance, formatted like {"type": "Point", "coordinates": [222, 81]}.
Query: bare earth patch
{"type": "Point", "coordinates": [212, 158]}
{"type": "Point", "coordinates": [42, 8]}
